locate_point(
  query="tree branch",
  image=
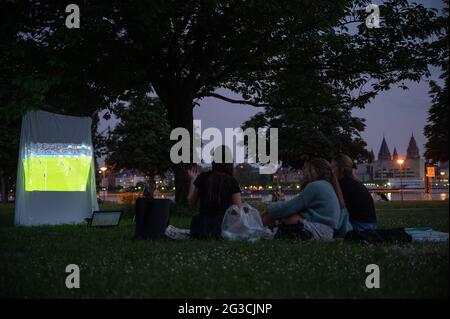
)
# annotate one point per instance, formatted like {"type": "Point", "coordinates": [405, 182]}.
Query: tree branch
{"type": "Point", "coordinates": [227, 99]}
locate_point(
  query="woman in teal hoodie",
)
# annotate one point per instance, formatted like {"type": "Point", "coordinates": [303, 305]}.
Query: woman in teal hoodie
{"type": "Point", "coordinates": [319, 206]}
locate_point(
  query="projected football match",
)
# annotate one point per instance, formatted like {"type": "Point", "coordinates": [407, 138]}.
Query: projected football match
{"type": "Point", "coordinates": [57, 167]}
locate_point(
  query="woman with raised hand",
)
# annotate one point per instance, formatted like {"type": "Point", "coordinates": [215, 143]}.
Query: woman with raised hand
{"type": "Point", "coordinates": [214, 191]}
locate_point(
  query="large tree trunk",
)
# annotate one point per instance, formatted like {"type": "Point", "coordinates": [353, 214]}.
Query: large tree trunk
{"type": "Point", "coordinates": [181, 182]}
{"type": "Point", "coordinates": [180, 114]}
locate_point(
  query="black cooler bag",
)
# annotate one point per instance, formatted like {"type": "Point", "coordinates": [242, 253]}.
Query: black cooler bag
{"type": "Point", "coordinates": [152, 218]}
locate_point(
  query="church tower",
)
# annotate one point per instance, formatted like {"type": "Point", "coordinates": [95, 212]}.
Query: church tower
{"type": "Point", "coordinates": [395, 155]}
{"type": "Point", "coordinates": [386, 166]}
{"type": "Point", "coordinates": [371, 157]}
{"type": "Point", "coordinates": [413, 151]}
{"type": "Point", "coordinates": [384, 154]}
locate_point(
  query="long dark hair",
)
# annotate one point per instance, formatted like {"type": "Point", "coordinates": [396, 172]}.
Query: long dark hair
{"type": "Point", "coordinates": [324, 171]}
{"type": "Point", "coordinates": [220, 175]}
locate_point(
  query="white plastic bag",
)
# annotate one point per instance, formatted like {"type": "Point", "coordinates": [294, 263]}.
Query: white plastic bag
{"type": "Point", "coordinates": [244, 224]}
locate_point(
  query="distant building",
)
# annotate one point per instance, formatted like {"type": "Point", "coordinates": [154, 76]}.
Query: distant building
{"type": "Point", "coordinates": [287, 175]}
{"type": "Point", "coordinates": [124, 179]}
{"type": "Point", "coordinates": [442, 173]}
{"type": "Point", "coordinates": [129, 178]}
{"type": "Point", "coordinates": [385, 167]}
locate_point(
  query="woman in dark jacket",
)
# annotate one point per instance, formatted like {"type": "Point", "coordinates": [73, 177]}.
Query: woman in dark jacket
{"type": "Point", "coordinates": [358, 200]}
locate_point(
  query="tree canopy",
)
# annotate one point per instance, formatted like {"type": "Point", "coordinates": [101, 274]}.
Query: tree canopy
{"type": "Point", "coordinates": [139, 140]}
{"type": "Point", "coordinates": [185, 50]}
{"type": "Point", "coordinates": [320, 130]}
{"type": "Point", "coordinates": [436, 130]}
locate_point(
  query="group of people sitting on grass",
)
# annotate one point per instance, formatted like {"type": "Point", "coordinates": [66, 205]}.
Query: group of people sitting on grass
{"type": "Point", "coordinates": [331, 203]}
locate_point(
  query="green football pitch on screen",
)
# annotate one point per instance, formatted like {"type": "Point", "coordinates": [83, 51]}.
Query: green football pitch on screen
{"type": "Point", "coordinates": [60, 174]}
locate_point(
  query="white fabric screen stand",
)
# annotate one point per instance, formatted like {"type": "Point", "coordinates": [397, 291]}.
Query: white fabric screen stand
{"type": "Point", "coordinates": [56, 171]}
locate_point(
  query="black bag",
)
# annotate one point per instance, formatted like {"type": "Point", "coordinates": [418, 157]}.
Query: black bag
{"type": "Point", "coordinates": [377, 236]}
{"type": "Point", "coordinates": [152, 218]}
{"type": "Point", "coordinates": [206, 226]}
{"type": "Point", "coordinates": [293, 231]}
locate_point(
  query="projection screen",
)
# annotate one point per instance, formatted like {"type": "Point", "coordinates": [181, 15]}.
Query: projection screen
{"type": "Point", "coordinates": [56, 171]}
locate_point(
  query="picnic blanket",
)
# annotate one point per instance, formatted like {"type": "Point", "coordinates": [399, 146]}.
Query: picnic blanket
{"type": "Point", "coordinates": [426, 234]}
{"type": "Point", "coordinates": [423, 234]}
{"type": "Point", "coordinates": [396, 235]}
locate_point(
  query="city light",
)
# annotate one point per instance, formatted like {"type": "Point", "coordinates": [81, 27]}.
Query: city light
{"type": "Point", "coordinates": [400, 162]}
{"type": "Point", "coordinates": [103, 169]}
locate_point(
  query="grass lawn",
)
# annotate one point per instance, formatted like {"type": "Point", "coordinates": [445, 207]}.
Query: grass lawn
{"type": "Point", "coordinates": [113, 265]}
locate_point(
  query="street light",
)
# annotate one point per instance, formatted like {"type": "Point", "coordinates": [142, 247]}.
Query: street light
{"type": "Point", "coordinates": [103, 169]}
{"type": "Point", "coordinates": [442, 178]}
{"type": "Point", "coordinates": [400, 162]}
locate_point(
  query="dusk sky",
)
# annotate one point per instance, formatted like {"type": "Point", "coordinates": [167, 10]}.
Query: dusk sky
{"type": "Point", "coordinates": [395, 113]}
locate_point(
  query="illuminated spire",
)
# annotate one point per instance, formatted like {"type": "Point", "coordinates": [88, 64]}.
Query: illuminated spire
{"type": "Point", "coordinates": [413, 151]}
{"type": "Point", "coordinates": [395, 154]}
